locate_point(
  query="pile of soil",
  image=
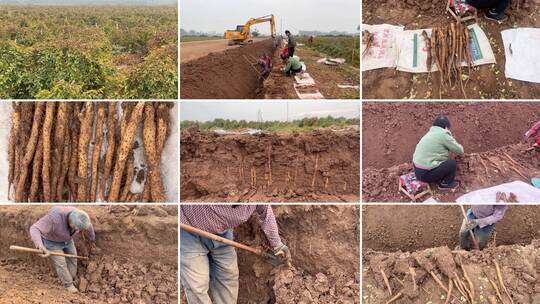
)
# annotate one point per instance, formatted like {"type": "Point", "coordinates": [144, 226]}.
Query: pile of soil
{"type": "Point", "coordinates": [420, 226]}
{"type": "Point", "coordinates": [482, 128]}
{"type": "Point", "coordinates": [519, 267]}
{"type": "Point", "coordinates": [486, 81]}
{"type": "Point", "coordinates": [143, 270]}
{"type": "Point", "coordinates": [324, 245]}
{"type": "Point", "coordinates": [321, 165]}
{"type": "Point", "coordinates": [224, 75]}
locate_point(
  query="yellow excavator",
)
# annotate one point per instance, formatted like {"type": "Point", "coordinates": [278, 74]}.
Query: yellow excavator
{"type": "Point", "coordinates": [242, 34]}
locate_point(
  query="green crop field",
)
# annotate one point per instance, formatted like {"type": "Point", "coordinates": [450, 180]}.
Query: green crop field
{"type": "Point", "coordinates": [113, 52]}
{"type": "Point", "coordinates": [305, 124]}
{"type": "Point", "coordinates": [346, 47]}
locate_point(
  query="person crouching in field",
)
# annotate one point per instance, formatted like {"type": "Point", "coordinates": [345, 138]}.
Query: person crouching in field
{"type": "Point", "coordinates": [481, 221]}
{"type": "Point", "coordinates": [55, 232]}
{"type": "Point", "coordinates": [430, 159]}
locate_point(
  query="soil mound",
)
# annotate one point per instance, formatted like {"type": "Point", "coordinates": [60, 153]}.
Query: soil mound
{"type": "Point", "coordinates": [224, 75]}
{"type": "Point", "coordinates": [136, 259]}
{"type": "Point", "coordinates": [321, 165]}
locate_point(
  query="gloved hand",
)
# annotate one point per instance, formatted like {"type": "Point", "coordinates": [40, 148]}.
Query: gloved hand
{"type": "Point", "coordinates": [94, 249]}
{"type": "Point", "coordinates": [46, 252]}
{"type": "Point", "coordinates": [471, 224]}
{"type": "Point", "coordinates": [283, 252]}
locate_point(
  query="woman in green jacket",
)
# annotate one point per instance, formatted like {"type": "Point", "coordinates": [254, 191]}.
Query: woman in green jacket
{"type": "Point", "coordinates": [431, 156]}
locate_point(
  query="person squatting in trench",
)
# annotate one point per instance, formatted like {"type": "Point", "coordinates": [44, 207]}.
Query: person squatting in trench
{"type": "Point", "coordinates": [54, 232]}
{"type": "Point", "coordinates": [481, 220]}
{"type": "Point", "coordinates": [207, 265]}
{"type": "Point", "coordinates": [430, 160]}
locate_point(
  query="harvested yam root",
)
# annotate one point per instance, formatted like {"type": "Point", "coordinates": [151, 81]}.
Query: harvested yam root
{"type": "Point", "coordinates": [84, 151]}
{"type": "Point", "coordinates": [449, 49]}
{"type": "Point", "coordinates": [367, 39]}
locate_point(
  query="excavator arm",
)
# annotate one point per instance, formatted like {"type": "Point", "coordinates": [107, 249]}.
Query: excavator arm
{"type": "Point", "coordinates": [243, 33]}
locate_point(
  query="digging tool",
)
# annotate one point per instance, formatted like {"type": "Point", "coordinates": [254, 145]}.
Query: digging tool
{"type": "Point", "coordinates": [270, 258]}
{"type": "Point", "coordinates": [32, 250]}
{"type": "Point", "coordinates": [470, 231]}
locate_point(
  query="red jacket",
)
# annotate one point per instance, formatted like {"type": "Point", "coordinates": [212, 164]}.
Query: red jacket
{"type": "Point", "coordinates": [534, 132]}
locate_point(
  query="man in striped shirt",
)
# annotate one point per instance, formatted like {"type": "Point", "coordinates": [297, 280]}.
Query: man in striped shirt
{"type": "Point", "coordinates": [207, 265]}
{"type": "Point", "coordinates": [481, 221]}
{"type": "Point", "coordinates": [55, 232]}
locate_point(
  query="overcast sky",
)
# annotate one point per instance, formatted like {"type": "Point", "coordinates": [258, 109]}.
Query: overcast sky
{"type": "Point", "coordinates": [220, 15]}
{"type": "Point", "coordinates": [274, 110]}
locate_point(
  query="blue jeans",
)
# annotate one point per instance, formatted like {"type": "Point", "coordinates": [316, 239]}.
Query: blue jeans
{"type": "Point", "coordinates": [206, 265]}
{"type": "Point", "coordinates": [66, 268]}
{"type": "Point", "coordinates": [482, 235]}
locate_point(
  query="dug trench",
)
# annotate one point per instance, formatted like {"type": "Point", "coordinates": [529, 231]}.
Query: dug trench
{"type": "Point", "coordinates": [491, 134]}
{"type": "Point", "coordinates": [324, 245]}
{"type": "Point", "coordinates": [320, 165]}
{"type": "Point", "coordinates": [484, 82]}
{"type": "Point", "coordinates": [408, 247]}
{"type": "Point", "coordinates": [225, 74]}
{"type": "Point", "coordinates": [136, 259]}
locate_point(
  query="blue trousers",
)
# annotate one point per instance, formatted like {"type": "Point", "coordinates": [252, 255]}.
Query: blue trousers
{"type": "Point", "coordinates": [66, 268]}
{"type": "Point", "coordinates": [482, 235]}
{"type": "Point", "coordinates": [208, 269]}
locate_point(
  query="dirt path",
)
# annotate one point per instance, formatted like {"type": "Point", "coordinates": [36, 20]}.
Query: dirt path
{"type": "Point", "coordinates": [196, 49]}
{"type": "Point", "coordinates": [326, 77]}
{"type": "Point", "coordinates": [486, 81]}
{"type": "Point", "coordinates": [418, 227]}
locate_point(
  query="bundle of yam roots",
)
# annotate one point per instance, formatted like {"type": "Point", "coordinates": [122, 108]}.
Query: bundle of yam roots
{"type": "Point", "coordinates": [85, 151]}
{"type": "Point", "coordinates": [447, 48]}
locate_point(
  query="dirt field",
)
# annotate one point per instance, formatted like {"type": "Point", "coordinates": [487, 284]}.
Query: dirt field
{"type": "Point", "coordinates": [316, 166]}
{"type": "Point", "coordinates": [486, 130]}
{"type": "Point", "coordinates": [136, 261]}
{"type": "Point", "coordinates": [324, 244]}
{"type": "Point", "coordinates": [211, 69]}
{"type": "Point", "coordinates": [486, 81]}
{"type": "Point", "coordinates": [197, 49]}
{"type": "Point", "coordinates": [395, 244]}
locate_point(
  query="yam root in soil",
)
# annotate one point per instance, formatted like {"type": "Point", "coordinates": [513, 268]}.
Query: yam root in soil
{"type": "Point", "coordinates": [83, 152]}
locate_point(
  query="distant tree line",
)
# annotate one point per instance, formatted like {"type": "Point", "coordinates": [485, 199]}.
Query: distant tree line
{"type": "Point", "coordinates": [302, 124]}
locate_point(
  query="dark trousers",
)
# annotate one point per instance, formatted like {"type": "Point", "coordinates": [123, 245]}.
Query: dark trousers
{"type": "Point", "coordinates": [293, 72]}
{"type": "Point", "coordinates": [291, 51]}
{"type": "Point", "coordinates": [445, 173]}
{"type": "Point", "coordinates": [498, 5]}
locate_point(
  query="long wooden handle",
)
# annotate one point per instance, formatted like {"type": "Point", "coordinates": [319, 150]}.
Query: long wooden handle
{"type": "Point", "coordinates": [32, 250]}
{"type": "Point", "coordinates": [218, 238]}
{"type": "Point", "coordinates": [475, 243]}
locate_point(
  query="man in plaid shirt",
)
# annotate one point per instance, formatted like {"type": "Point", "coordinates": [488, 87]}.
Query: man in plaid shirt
{"type": "Point", "coordinates": [207, 265]}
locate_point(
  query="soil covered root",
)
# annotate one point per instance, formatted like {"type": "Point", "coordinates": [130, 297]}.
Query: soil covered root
{"type": "Point", "coordinates": [319, 165]}
{"type": "Point", "coordinates": [475, 171]}
{"type": "Point", "coordinates": [74, 151]}
{"type": "Point", "coordinates": [224, 75]}
{"type": "Point", "coordinates": [425, 276]}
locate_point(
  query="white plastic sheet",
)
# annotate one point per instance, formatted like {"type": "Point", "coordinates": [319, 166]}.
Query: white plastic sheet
{"type": "Point", "coordinates": [521, 49]}
{"type": "Point", "coordinates": [383, 51]}
{"type": "Point", "coordinates": [525, 194]}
